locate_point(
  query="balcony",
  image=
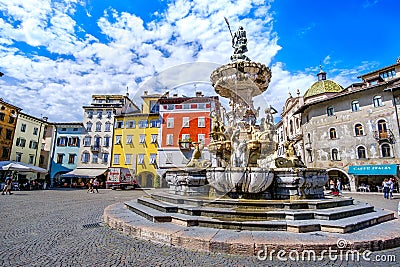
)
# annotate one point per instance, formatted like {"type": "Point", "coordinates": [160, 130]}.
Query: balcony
{"type": "Point", "coordinates": [384, 136]}
{"type": "Point", "coordinates": [95, 148]}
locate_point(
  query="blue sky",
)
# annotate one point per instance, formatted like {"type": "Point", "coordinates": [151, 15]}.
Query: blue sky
{"type": "Point", "coordinates": [56, 54]}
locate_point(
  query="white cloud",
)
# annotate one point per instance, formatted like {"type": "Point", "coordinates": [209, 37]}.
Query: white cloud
{"type": "Point", "coordinates": [68, 63]}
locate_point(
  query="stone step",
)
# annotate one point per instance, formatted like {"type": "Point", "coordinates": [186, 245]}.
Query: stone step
{"type": "Point", "coordinates": [158, 205]}
{"type": "Point", "coordinates": [343, 225]}
{"type": "Point", "coordinates": [329, 202]}
{"type": "Point", "coordinates": [258, 214]}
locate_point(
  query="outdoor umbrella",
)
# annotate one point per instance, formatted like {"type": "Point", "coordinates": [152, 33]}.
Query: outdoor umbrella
{"type": "Point", "coordinates": [19, 166]}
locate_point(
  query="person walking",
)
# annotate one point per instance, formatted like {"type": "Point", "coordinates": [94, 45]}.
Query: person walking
{"type": "Point", "coordinates": [95, 185]}
{"type": "Point", "coordinates": [7, 186]}
{"type": "Point", "coordinates": [90, 186]}
{"type": "Point", "coordinates": [391, 187]}
{"type": "Point", "coordinates": [385, 186]}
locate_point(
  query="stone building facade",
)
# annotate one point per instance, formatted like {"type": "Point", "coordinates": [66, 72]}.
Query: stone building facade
{"type": "Point", "coordinates": [8, 121]}
{"type": "Point", "coordinates": [353, 132]}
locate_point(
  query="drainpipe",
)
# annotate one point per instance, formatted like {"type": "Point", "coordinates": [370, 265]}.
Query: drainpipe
{"type": "Point", "coordinates": [37, 149]}
{"type": "Point", "coordinates": [51, 157]}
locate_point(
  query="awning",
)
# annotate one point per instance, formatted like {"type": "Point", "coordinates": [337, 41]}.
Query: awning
{"type": "Point", "coordinates": [20, 166]}
{"type": "Point", "coordinates": [84, 173]}
{"type": "Point", "coordinates": [386, 169]}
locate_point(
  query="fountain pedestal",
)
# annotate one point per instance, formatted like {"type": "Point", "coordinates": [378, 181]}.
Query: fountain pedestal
{"type": "Point", "coordinates": [187, 181]}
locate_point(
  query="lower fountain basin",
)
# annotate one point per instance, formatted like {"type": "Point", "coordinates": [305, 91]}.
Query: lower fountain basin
{"type": "Point", "coordinates": [242, 180]}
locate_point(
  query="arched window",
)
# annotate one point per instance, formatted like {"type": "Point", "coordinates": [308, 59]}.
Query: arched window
{"type": "Point", "coordinates": [330, 111]}
{"type": "Point", "coordinates": [89, 126]}
{"type": "Point", "coordinates": [332, 133]}
{"type": "Point", "coordinates": [335, 154]}
{"type": "Point", "coordinates": [385, 149]}
{"type": "Point", "coordinates": [355, 105]}
{"type": "Point", "coordinates": [291, 127]}
{"type": "Point", "coordinates": [361, 152]}
{"type": "Point", "coordinates": [98, 126]}
{"type": "Point", "coordinates": [377, 101]}
{"type": "Point", "coordinates": [358, 129]}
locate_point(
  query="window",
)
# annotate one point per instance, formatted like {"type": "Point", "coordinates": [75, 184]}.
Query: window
{"type": "Point", "coordinates": [385, 150]}
{"type": "Point", "coordinates": [361, 152]}
{"type": "Point", "coordinates": [332, 133]}
{"type": "Point", "coordinates": [71, 158]}
{"type": "Point", "coordinates": [335, 154]}
{"type": "Point", "coordinates": [155, 124]}
{"type": "Point", "coordinates": [87, 141]}
{"type": "Point", "coordinates": [63, 129]}
{"type": "Point", "coordinates": [186, 106]}
{"type": "Point", "coordinates": [388, 74]}
{"type": "Point", "coordinates": [4, 152]}
{"type": "Point", "coordinates": [330, 111]}
{"type": "Point", "coordinates": [168, 158]}
{"type": "Point", "coordinates": [128, 158]}
{"type": "Point", "coordinates": [99, 114]}
{"type": "Point", "coordinates": [186, 137]}
{"type": "Point", "coordinates": [201, 106]}
{"type": "Point", "coordinates": [358, 129]}
{"type": "Point", "coordinates": [170, 123]}
{"type": "Point", "coordinates": [31, 159]}
{"type": "Point", "coordinates": [309, 155]}
{"type": "Point", "coordinates": [23, 127]}
{"type": "Point", "coordinates": [170, 139]}
{"type": "Point", "coordinates": [11, 120]}
{"type": "Point", "coordinates": [8, 134]}
{"type": "Point", "coordinates": [35, 131]}
{"type": "Point", "coordinates": [98, 126]}
{"type": "Point", "coordinates": [143, 124]}
{"type": "Point", "coordinates": [185, 122]}
{"type": "Point", "coordinates": [90, 114]}
{"type": "Point", "coordinates": [153, 158]}
{"type": "Point", "coordinates": [109, 114]}
{"type": "Point", "coordinates": [85, 157]}
{"type": "Point", "coordinates": [33, 144]}
{"type": "Point", "coordinates": [2, 115]}
{"type": "Point", "coordinates": [20, 142]}
{"type": "Point", "coordinates": [170, 106]}
{"type": "Point", "coordinates": [105, 157]}
{"type": "Point", "coordinates": [129, 139]}
{"type": "Point", "coordinates": [60, 158]}
{"type": "Point", "coordinates": [154, 138]}
{"type": "Point", "coordinates": [118, 139]}
{"type": "Point", "coordinates": [201, 122]}
{"type": "Point", "coordinates": [62, 141]}
{"type": "Point", "coordinates": [73, 141]}
{"type": "Point", "coordinates": [154, 107]}
{"type": "Point", "coordinates": [89, 126]}
{"type": "Point", "coordinates": [141, 159]}
{"type": "Point", "coordinates": [119, 124]}
{"type": "Point", "coordinates": [201, 138]}
{"type": "Point", "coordinates": [355, 105]}
{"type": "Point", "coordinates": [131, 124]}
{"type": "Point", "coordinates": [95, 158]}
{"type": "Point", "coordinates": [97, 141]}
{"type": "Point", "coordinates": [142, 139]}
{"type": "Point", "coordinates": [75, 129]}
{"type": "Point", "coordinates": [377, 101]}
{"type": "Point", "coordinates": [382, 129]}
{"type": "Point", "coordinates": [106, 141]}
{"type": "Point", "coordinates": [18, 157]}
{"type": "Point", "coordinates": [116, 158]}
{"type": "Point", "coordinates": [107, 127]}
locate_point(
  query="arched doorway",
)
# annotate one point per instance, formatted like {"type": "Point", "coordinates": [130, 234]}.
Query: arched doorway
{"type": "Point", "coordinates": [337, 174]}
{"type": "Point", "coordinates": [146, 179]}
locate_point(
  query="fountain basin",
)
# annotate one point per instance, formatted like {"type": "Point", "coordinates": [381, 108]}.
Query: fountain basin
{"type": "Point", "coordinates": [240, 179]}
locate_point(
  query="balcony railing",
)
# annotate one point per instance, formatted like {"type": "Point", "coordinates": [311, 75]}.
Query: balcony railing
{"type": "Point", "coordinates": [384, 136]}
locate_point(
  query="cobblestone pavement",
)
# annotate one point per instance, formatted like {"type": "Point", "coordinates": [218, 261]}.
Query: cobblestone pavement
{"type": "Point", "coordinates": [63, 228]}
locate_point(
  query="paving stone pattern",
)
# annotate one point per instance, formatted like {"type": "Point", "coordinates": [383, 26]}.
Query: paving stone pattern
{"type": "Point", "coordinates": [64, 228]}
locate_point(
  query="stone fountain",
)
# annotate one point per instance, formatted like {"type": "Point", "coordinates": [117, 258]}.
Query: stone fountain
{"type": "Point", "coordinates": [242, 163]}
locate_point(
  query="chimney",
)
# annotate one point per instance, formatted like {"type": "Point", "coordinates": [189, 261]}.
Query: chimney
{"type": "Point", "coordinates": [199, 94]}
{"type": "Point", "coordinates": [45, 118]}
{"type": "Point", "coordinates": [175, 95]}
{"type": "Point", "coordinates": [145, 92]}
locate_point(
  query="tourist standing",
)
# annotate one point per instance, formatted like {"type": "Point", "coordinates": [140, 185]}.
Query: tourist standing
{"type": "Point", "coordinates": [385, 186]}
{"type": "Point", "coordinates": [391, 187]}
{"type": "Point", "coordinates": [7, 186]}
{"type": "Point", "coordinates": [339, 186]}
{"type": "Point", "coordinates": [95, 185]}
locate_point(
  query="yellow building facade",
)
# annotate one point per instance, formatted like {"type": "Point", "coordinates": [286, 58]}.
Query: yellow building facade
{"type": "Point", "coordinates": [135, 142]}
